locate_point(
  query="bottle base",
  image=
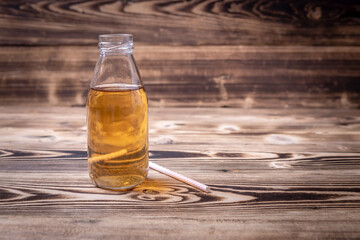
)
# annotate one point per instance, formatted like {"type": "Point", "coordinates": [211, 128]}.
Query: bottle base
{"type": "Point", "coordinates": [118, 182]}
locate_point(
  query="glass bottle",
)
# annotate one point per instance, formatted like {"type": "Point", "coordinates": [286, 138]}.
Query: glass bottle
{"type": "Point", "coordinates": [117, 117]}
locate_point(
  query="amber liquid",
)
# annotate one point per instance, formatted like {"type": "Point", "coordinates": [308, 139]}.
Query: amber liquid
{"type": "Point", "coordinates": [117, 136]}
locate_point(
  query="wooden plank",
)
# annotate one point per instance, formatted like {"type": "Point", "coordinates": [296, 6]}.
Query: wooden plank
{"type": "Point", "coordinates": [196, 22]}
{"type": "Point", "coordinates": [216, 129]}
{"type": "Point", "coordinates": [275, 174]}
{"type": "Point", "coordinates": [208, 76]}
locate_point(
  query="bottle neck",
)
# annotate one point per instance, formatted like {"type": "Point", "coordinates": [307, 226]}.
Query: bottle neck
{"type": "Point", "coordinates": [116, 67]}
{"type": "Point", "coordinates": [116, 64]}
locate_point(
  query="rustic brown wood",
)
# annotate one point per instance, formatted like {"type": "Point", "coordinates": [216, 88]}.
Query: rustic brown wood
{"type": "Point", "coordinates": [289, 173]}
{"type": "Point", "coordinates": [250, 22]}
{"type": "Point", "coordinates": [213, 76]}
{"type": "Point", "coordinates": [275, 174]}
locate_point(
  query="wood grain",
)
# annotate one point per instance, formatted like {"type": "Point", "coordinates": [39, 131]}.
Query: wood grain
{"type": "Point", "coordinates": [289, 173]}
{"type": "Point", "coordinates": [208, 76]}
{"type": "Point", "coordinates": [159, 22]}
{"type": "Point", "coordinates": [275, 174]}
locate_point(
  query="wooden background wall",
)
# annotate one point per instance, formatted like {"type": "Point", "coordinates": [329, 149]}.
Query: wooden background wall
{"type": "Point", "coordinates": [220, 53]}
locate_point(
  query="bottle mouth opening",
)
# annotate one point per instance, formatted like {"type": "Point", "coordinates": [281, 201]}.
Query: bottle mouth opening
{"type": "Point", "coordinates": [115, 38]}
{"type": "Point", "coordinates": [121, 43]}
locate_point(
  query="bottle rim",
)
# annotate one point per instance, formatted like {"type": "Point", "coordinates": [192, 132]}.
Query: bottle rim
{"type": "Point", "coordinates": [116, 43]}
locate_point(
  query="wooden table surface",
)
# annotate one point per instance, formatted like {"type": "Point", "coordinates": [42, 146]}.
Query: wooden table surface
{"type": "Point", "coordinates": [274, 174]}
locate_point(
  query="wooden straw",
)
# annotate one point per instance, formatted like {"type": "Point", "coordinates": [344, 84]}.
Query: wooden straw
{"type": "Point", "coordinates": [157, 168]}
